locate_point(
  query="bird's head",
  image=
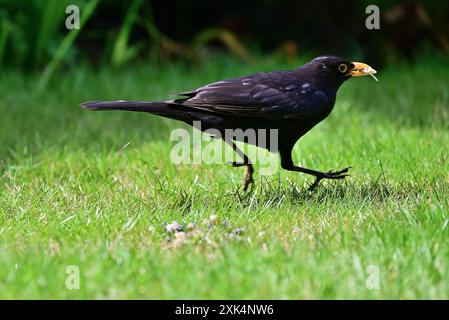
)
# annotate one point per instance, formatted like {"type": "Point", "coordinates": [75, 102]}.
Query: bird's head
{"type": "Point", "coordinates": [336, 70]}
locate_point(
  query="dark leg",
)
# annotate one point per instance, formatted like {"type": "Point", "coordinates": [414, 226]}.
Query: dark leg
{"type": "Point", "coordinates": [249, 170]}
{"type": "Point", "coordinates": [287, 164]}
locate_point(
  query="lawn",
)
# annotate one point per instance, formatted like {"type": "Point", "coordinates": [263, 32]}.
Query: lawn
{"type": "Point", "coordinates": [93, 192]}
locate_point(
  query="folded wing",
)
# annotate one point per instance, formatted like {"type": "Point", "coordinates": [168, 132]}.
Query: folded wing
{"type": "Point", "coordinates": [274, 95]}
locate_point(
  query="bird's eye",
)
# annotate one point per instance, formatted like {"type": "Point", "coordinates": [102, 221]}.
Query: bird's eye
{"type": "Point", "coordinates": [342, 68]}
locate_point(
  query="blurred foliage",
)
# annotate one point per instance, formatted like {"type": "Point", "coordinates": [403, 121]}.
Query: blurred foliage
{"type": "Point", "coordinates": [122, 51]}
{"type": "Point", "coordinates": [65, 45]}
{"type": "Point", "coordinates": [30, 31]}
{"type": "Point", "coordinates": [33, 34]}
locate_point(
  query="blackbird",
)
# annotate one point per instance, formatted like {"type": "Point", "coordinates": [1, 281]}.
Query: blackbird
{"type": "Point", "coordinates": [292, 102]}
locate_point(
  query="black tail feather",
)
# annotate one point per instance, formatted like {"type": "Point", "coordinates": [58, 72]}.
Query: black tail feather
{"type": "Point", "coordinates": [142, 106]}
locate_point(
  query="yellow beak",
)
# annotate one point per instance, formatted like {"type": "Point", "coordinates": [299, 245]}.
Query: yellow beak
{"type": "Point", "coordinates": [361, 69]}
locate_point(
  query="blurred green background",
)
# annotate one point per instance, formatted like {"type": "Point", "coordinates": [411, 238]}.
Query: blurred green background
{"type": "Point", "coordinates": [33, 35]}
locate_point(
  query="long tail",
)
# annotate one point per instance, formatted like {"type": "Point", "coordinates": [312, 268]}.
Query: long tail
{"type": "Point", "coordinates": [157, 107]}
{"type": "Point", "coordinates": [167, 109]}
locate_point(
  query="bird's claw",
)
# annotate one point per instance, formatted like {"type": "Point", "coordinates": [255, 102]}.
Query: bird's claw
{"type": "Point", "coordinates": [248, 178]}
{"type": "Point", "coordinates": [247, 181]}
{"type": "Point", "coordinates": [249, 170]}
{"type": "Point", "coordinates": [330, 175]}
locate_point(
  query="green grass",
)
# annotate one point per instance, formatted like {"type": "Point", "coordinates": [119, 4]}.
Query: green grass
{"type": "Point", "coordinates": [70, 195]}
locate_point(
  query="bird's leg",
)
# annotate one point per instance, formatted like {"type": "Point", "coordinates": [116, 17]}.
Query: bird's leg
{"type": "Point", "coordinates": [287, 164]}
{"type": "Point", "coordinates": [249, 170]}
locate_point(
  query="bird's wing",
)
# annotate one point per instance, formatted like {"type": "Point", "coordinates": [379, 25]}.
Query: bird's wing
{"type": "Point", "coordinates": [275, 95]}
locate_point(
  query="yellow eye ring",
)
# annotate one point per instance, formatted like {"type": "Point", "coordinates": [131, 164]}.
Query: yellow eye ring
{"type": "Point", "coordinates": [342, 68]}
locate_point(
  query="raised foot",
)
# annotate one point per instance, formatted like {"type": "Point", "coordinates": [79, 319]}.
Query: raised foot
{"type": "Point", "coordinates": [336, 175]}
{"type": "Point", "coordinates": [330, 175]}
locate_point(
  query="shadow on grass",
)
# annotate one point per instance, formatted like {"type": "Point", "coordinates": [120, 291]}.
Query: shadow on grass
{"type": "Point", "coordinates": [270, 194]}
{"type": "Point", "coordinates": [326, 190]}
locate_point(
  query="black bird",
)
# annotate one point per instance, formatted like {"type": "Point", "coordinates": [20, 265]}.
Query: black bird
{"type": "Point", "coordinates": [292, 102]}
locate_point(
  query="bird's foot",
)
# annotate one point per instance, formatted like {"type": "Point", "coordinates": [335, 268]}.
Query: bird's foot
{"type": "Point", "coordinates": [338, 174]}
{"type": "Point", "coordinates": [329, 175]}
{"type": "Point", "coordinates": [248, 178]}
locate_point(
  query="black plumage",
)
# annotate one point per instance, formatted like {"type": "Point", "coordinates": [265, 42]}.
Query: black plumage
{"type": "Point", "coordinates": [292, 102]}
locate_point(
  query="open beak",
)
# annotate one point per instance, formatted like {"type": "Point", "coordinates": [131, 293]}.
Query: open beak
{"type": "Point", "coordinates": [361, 69]}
